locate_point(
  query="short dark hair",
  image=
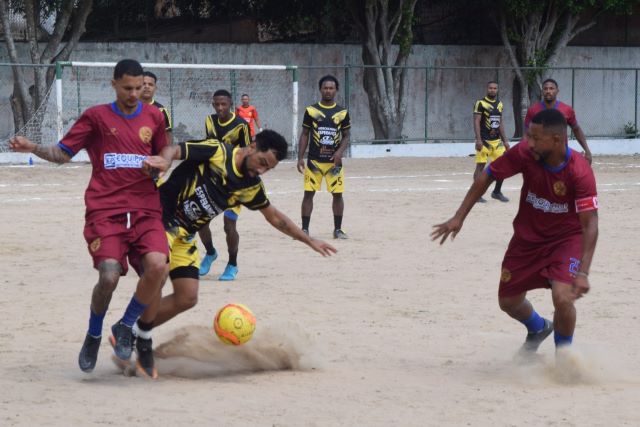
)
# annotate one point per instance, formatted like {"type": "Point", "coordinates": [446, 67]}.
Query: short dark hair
{"type": "Point", "coordinates": [130, 67]}
{"type": "Point", "coordinates": [550, 81]}
{"type": "Point", "coordinates": [492, 82]}
{"type": "Point", "coordinates": [271, 140]}
{"type": "Point", "coordinates": [552, 119]}
{"type": "Point", "coordinates": [222, 92]}
{"type": "Point", "coordinates": [150, 74]}
{"type": "Point", "coordinates": [328, 78]}
{"type": "Point", "coordinates": [244, 94]}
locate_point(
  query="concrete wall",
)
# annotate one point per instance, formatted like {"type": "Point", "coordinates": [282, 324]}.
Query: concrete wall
{"type": "Point", "coordinates": [604, 100]}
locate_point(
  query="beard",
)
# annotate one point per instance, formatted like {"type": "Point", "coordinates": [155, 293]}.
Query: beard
{"type": "Point", "coordinates": [244, 169]}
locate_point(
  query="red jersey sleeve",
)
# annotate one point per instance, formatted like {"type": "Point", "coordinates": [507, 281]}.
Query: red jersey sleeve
{"type": "Point", "coordinates": [571, 117]}
{"type": "Point", "coordinates": [79, 136]}
{"type": "Point", "coordinates": [510, 163]}
{"type": "Point", "coordinates": [255, 113]}
{"type": "Point", "coordinates": [585, 185]}
{"type": "Point", "coordinates": [527, 118]}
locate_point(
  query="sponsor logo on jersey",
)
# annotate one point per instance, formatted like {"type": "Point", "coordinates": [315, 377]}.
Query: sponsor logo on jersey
{"type": "Point", "coordinates": [505, 275]}
{"type": "Point", "coordinates": [145, 134]}
{"type": "Point", "coordinates": [559, 188]}
{"type": "Point", "coordinates": [574, 265]}
{"type": "Point", "coordinates": [544, 205]}
{"type": "Point", "coordinates": [123, 160]}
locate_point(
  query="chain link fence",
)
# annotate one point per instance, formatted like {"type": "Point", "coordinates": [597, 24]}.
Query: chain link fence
{"type": "Point", "coordinates": [438, 106]}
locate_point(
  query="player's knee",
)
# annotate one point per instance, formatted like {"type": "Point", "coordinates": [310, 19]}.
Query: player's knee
{"type": "Point", "coordinates": [563, 301]}
{"type": "Point", "coordinates": [508, 305]}
{"type": "Point", "coordinates": [157, 269]}
{"type": "Point", "coordinates": [229, 226]}
{"type": "Point", "coordinates": [188, 300]}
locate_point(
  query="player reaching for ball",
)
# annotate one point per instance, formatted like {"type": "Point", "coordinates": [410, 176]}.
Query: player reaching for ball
{"type": "Point", "coordinates": [555, 230]}
{"type": "Point", "coordinates": [216, 177]}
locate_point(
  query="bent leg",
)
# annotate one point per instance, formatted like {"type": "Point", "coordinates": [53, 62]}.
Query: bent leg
{"type": "Point", "coordinates": [184, 297]}
{"type": "Point", "coordinates": [518, 306]}
{"type": "Point", "coordinates": [565, 311]}
{"type": "Point", "coordinates": [207, 239]}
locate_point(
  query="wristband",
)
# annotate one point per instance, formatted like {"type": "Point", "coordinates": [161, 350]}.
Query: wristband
{"type": "Point", "coordinates": [582, 273]}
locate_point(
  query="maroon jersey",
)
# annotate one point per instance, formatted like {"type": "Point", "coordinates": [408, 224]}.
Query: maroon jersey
{"type": "Point", "coordinates": [565, 109]}
{"type": "Point", "coordinates": [117, 144]}
{"type": "Point", "coordinates": [550, 197]}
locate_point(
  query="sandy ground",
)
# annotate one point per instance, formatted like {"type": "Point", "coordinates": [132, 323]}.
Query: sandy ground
{"type": "Point", "coordinates": [393, 330]}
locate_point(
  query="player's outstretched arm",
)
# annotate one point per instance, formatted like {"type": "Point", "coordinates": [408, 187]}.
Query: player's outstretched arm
{"type": "Point", "coordinates": [51, 153]}
{"type": "Point", "coordinates": [288, 227]}
{"type": "Point", "coordinates": [453, 225]}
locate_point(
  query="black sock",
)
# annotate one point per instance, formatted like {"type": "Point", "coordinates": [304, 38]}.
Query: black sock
{"type": "Point", "coordinates": [498, 186]}
{"type": "Point", "coordinates": [144, 326]}
{"type": "Point", "coordinates": [209, 247]}
{"type": "Point", "coordinates": [305, 222]}
{"type": "Point", "coordinates": [233, 259]}
{"type": "Point", "coordinates": [337, 222]}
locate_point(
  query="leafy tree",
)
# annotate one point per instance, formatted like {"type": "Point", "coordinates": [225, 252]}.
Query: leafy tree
{"type": "Point", "coordinates": [535, 32]}
{"type": "Point", "coordinates": [44, 48]}
{"type": "Point", "coordinates": [381, 23]}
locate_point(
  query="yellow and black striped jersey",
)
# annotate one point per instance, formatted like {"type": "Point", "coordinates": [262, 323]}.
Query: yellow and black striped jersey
{"type": "Point", "coordinates": [206, 184]}
{"type": "Point", "coordinates": [234, 131]}
{"type": "Point", "coordinates": [326, 124]}
{"type": "Point", "coordinates": [165, 113]}
{"type": "Point", "coordinates": [491, 111]}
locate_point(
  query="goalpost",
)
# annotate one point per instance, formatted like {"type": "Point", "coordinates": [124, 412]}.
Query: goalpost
{"type": "Point", "coordinates": [187, 91]}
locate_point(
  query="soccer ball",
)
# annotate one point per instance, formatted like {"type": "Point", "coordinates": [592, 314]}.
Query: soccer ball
{"type": "Point", "coordinates": [234, 324]}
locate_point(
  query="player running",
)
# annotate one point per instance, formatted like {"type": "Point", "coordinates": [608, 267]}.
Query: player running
{"type": "Point", "coordinates": [555, 230]}
{"type": "Point", "coordinates": [224, 126]}
{"type": "Point", "coordinates": [327, 125]}
{"type": "Point", "coordinates": [215, 177]}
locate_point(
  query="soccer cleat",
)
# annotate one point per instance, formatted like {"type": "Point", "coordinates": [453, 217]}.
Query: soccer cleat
{"type": "Point", "coordinates": [89, 353]}
{"type": "Point", "coordinates": [534, 339]}
{"type": "Point", "coordinates": [481, 200]}
{"type": "Point", "coordinates": [230, 273]}
{"type": "Point", "coordinates": [339, 234]}
{"type": "Point", "coordinates": [121, 341]}
{"type": "Point", "coordinates": [499, 196]}
{"type": "Point", "coordinates": [305, 231]}
{"type": "Point", "coordinates": [205, 264]}
{"type": "Point", "coordinates": [144, 363]}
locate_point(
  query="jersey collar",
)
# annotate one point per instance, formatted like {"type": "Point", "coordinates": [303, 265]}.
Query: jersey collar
{"type": "Point", "coordinates": [556, 169]}
{"type": "Point", "coordinates": [233, 116]}
{"type": "Point", "coordinates": [326, 106]}
{"type": "Point", "coordinates": [115, 109]}
{"type": "Point", "coordinates": [555, 106]}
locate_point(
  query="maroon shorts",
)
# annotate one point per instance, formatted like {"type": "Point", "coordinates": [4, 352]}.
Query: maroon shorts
{"type": "Point", "coordinates": [125, 236]}
{"type": "Point", "coordinates": [529, 266]}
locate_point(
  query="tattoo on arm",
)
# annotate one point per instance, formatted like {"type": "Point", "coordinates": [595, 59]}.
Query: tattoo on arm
{"type": "Point", "coordinates": [51, 153]}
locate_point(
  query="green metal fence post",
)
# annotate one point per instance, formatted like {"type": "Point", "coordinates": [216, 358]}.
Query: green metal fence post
{"type": "Point", "coordinates": [573, 92]}
{"type": "Point", "coordinates": [635, 105]}
{"type": "Point", "coordinates": [234, 87]}
{"type": "Point", "coordinates": [171, 108]}
{"type": "Point", "coordinates": [426, 104]}
{"type": "Point", "coordinates": [347, 86]}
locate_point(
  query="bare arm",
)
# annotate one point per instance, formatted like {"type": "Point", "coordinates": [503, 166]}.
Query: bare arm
{"type": "Point", "coordinates": [303, 142]}
{"type": "Point", "coordinates": [476, 128]}
{"type": "Point", "coordinates": [589, 223]}
{"type": "Point", "coordinates": [337, 156]}
{"type": "Point", "coordinates": [453, 225]}
{"type": "Point", "coordinates": [51, 153]}
{"type": "Point", "coordinates": [503, 135]}
{"type": "Point", "coordinates": [257, 119]}
{"type": "Point", "coordinates": [285, 225]}
{"type": "Point", "coordinates": [582, 140]}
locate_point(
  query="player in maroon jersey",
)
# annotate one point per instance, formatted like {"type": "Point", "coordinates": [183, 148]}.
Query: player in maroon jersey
{"type": "Point", "coordinates": [550, 94]}
{"type": "Point", "coordinates": [123, 218]}
{"type": "Point", "coordinates": [555, 230]}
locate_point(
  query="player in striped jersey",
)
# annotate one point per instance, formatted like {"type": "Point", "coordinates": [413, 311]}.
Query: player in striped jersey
{"type": "Point", "coordinates": [149, 87]}
{"type": "Point", "coordinates": [227, 127]}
